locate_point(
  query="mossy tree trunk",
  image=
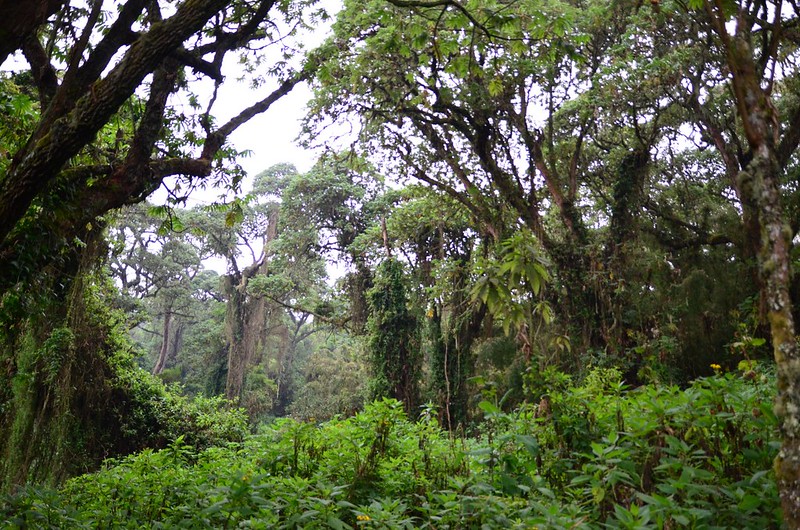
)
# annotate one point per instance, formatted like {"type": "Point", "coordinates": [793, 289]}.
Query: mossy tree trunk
{"type": "Point", "coordinates": [760, 180]}
{"type": "Point", "coordinates": [453, 328]}
{"type": "Point", "coordinates": [452, 362]}
{"type": "Point", "coordinates": [394, 348]}
{"type": "Point", "coordinates": [759, 183]}
{"type": "Point", "coordinates": [246, 315]}
{"type": "Point", "coordinates": [55, 419]}
{"type": "Point", "coordinates": [244, 329]}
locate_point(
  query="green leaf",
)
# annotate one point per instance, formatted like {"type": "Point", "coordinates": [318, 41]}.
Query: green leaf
{"type": "Point", "coordinates": [749, 503]}
{"type": "Point", "coordinates": [336, 523]}
{"type": "Point", "coordinates": [529, 442]}
{"type": "Point", "coordinates": [495, 87]}
{"type": "Point", "coordinates": [489, 407]}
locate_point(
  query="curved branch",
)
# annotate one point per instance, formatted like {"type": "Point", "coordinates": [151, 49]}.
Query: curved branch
{"type": "Point", "coordinates": [55, 143]}
{"type": "Point", "coordinates": [217, 138]}
{"type": "Point", "coordinates": [20, 19]}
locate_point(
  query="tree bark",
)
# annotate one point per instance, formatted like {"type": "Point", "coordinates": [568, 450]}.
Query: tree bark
{"type": "Point", "coordinates": [165, 341]}
{"type": "Point", "coordinates": [20, 18]}
{"type": "Point", "coordinates": [245, 317]}
{"type": "Point", "coordinates": [172, 341]}
{"type": "Point", "coordinates": [760, 179]}
{"type": "Point", "coordinates": [760, 188]}
{"type": "Point", "coordinates": [234, 330]}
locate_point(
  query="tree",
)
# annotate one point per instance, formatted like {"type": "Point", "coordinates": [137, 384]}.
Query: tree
{"type": "Point", "coordinates": [273, 283]}
{"type": "Point", "coordinates": [752, 64]}
{"type": "Point", "coordinates": [393, 340]}
{"type": "Point", "coordinates": [158, 266]}
{"type": "Point", "coordinates": [328, 210]}
{"type": "Point", "coordinates": [96, 125]}
{"type": "Point", "coordinates": [241, 235]}
{"type": "Point", "coordinates": [55, 186]}
{"type": "Point", "coordinates": [439, 244]}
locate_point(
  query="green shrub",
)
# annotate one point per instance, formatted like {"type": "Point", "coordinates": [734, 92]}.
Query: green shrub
{"type": "Point", "coordinates": [151, 414]}
{"type": "Point", "coordinates": [653, 457]}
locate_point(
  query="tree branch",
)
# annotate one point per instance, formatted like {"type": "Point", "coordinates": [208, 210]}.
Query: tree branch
{"type": "Point", "coordinates": [54, 143]}
{"type": "Point", "coordinates": [44, 74]}
{"type": "Point", "coordinates": [20, 19]}
{"type": "Point", "coordinates": [197, 64]}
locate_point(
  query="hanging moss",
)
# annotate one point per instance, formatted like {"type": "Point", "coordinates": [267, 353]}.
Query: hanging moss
{"type": "Point", "coordinates": [72, 393]}
{"type": "Point", "coordinates": [394, 350]}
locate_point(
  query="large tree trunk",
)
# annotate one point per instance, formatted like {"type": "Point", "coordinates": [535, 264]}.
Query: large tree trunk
{"type": "Point", "coordinates": [171, 342]}
{"type": "Point", "coordinates": [55, 388]}
{"type": "Point", "coordinates": [245, 317]}
{"type": "Point", "coordinates": [244, 328]}
{"type": "Point", "coordinates": [760, 188]}
{"type": "Point", "coordinates": [165, 341]}
{"type": "Point", "coordinates": [760, 179]}
{"type": "Point", "coordinates": [20, 18]}
{"type": "Point", "coordinates": [393, 341]}
{"type": "Point", "coordinates": [453, 363]}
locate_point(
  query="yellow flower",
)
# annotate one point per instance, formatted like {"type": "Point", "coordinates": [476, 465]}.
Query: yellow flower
{"type": "Point", "coordinates": [716, 367]}
{"type": "Point", "coordinates": [362, 518]}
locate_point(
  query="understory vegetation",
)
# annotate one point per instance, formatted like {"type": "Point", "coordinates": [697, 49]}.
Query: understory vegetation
{"type": "Point", "coordinates": [537, 266]}
{"type": "Point", "coordinates": [590, 454]}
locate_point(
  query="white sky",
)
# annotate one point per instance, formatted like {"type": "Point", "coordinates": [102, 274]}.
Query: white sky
{"type": "Point", "coordinates": [271, 136]}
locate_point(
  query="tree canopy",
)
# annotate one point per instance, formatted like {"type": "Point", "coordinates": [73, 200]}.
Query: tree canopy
{"type": "Point", "coordinates": [105, 127]}
{"type": "Point", "coordinates": [507, 188]}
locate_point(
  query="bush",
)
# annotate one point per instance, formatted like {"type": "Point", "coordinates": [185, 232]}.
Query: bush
{"type": "Point", "coordinates": [593, 455]}
{"type": "Point", "coordinates": [153, 415]}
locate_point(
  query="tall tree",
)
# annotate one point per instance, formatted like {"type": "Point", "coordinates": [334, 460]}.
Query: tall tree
{"type": "Point", "coordinates": [157, 266]}
{"type": "Point", "coordinates": [99, 122]}
{"type": "Point", "coordinates": [241, 236]}
{"type": "Point", "coordinates": [393, 338]}
{"type": "Point", "coordinates": [57, 184]}
{"type": "Point", "coordinates": [751, 37]}
{"type": "Point", "coordinates": [328, 210]}
{"type": "Point", "coordinates": [435, 238]}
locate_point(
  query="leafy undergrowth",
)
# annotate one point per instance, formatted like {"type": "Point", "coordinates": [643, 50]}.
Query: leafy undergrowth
{"type": "Point", "coordinates": [592, 455]}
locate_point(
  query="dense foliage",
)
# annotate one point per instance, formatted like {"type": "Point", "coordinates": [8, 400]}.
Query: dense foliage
{"type": "Point", "coordinates": [590, 455]}
{"type": "Point", "coordinates": [56, 390]}
{"type": "Point", "coordinates": [518, 208]}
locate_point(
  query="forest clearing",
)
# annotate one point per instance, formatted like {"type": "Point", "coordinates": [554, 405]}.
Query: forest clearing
{"type": "Point", "coordinates": [536, 268]}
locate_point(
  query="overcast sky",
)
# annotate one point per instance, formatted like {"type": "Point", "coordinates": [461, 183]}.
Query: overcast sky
{"type": "Point", "coordinates": [272, 135]}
